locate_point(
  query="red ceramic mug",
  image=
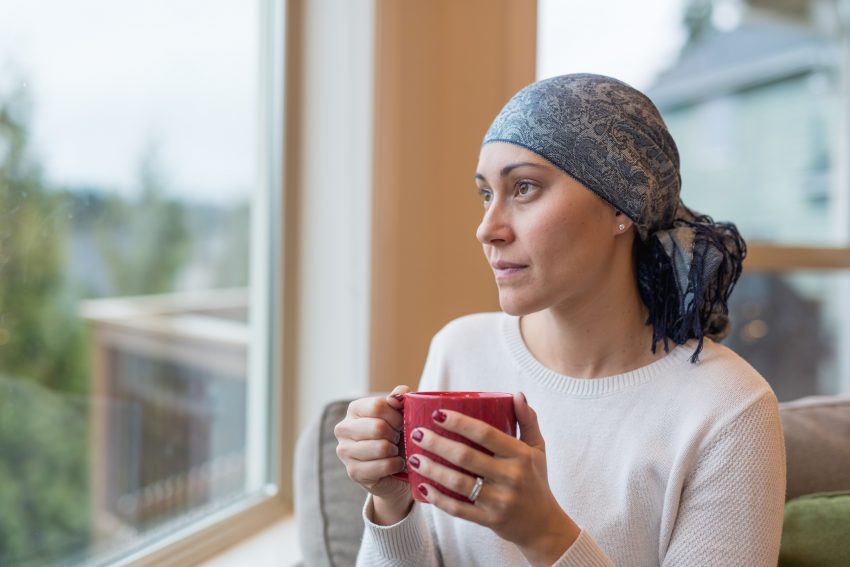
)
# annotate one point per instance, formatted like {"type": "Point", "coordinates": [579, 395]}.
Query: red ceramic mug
{"type": "Point", "coordinates": [494, 408]}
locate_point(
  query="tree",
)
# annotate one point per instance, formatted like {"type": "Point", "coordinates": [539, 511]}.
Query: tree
{"type": "Point", "coordinates": [233, 264]}
{"type": "Point", "coordinates": [145, 242]}
{"type": "Point", "coordinates": [43, 436]}
{"type": "Point", "coordinates": [41, 338]}
{"type": "Point", "coordinates": [44, 503]}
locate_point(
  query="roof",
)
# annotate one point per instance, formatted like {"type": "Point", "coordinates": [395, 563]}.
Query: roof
{"type": "Point", "coordinates": [754, 54]}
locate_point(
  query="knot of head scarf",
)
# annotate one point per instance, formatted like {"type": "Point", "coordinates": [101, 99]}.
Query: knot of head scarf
{"type": "Point", "coordinates": [610, 138]}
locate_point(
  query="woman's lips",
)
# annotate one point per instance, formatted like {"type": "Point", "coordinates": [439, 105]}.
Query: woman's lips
{"type": "Point", "coordinates": [506, 271]}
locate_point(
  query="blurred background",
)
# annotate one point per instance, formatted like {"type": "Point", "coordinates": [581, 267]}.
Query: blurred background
{"type": "Point", "coordinates": [141, 176]}
{"type": "Point", "coordinates": [755, 95]}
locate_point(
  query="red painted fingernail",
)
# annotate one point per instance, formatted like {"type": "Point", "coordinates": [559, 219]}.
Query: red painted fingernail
{"type": "Point", "coordinates": [417, 435]}
{"type": "Point", "coordinates": [439, 416]}
{"type": "Point", "coordinates": [399, 397]}
{"type": "Point", "coordinates": [423, 490]}
{"type": "Point", "coordinates": [414, 461]}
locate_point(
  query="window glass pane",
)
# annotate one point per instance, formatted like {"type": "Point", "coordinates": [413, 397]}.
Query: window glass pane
{"type": "Point", "coordinates": [128, 181]}
{"type": "Point", "coordinates": [790, 328]}
{"type": "Point", "coordinates": [753, 111]}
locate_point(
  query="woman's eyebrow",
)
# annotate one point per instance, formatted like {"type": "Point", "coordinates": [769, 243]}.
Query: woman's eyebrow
{"type": "Point", "coordinates": [511, 166]}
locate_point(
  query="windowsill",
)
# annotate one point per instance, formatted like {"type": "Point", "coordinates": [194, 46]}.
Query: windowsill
{"type": "Point", "coordinates": [275, 546]}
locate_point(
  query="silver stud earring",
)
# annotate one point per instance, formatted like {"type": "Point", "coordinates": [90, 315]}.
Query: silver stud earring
{"type": "Point", "coordinates": [622, 227]}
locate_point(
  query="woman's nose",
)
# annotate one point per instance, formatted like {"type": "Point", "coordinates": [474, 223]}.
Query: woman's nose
{"type": "Point", "coordinates": [495, 227]}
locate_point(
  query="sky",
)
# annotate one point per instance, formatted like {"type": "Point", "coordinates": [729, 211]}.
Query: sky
{"type": "Point", "coordinates": [631, 41]}
{"type": "Point", "coordinates": [109, 79]}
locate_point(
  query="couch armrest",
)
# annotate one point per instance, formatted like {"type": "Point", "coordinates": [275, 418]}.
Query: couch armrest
{"type": "Point", "coordinates": [817, 444]}
{"type": "Point", "coordinates": [327, 503]}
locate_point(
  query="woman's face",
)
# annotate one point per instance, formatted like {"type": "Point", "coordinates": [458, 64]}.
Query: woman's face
{"type": "Point", "coordinates": [548, 238]}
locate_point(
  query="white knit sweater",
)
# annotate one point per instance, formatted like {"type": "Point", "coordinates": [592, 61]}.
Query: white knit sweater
{"type": "Point", "coordinates": [672, 464]}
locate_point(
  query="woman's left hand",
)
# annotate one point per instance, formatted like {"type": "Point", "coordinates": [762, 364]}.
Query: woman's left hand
{"type": "Point", "coordinates": [515, 500]}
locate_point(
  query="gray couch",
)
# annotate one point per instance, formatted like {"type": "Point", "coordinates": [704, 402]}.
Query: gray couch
{"type": "Point", "coordinates": [328, 505]}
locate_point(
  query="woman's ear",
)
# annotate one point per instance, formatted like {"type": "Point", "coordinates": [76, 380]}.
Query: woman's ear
{"type": "Point", "coordinates": [622, 223]}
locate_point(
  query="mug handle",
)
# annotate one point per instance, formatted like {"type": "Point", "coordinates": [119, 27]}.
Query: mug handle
{"type": "Point", "coordinates": [402, 442]}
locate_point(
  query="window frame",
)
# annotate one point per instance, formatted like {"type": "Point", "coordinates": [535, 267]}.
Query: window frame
{"type": "Point", "coordinates": [782, 258]}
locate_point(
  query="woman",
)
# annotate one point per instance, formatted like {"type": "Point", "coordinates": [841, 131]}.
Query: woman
{"type": "Point", "coordinates": [662, 447]}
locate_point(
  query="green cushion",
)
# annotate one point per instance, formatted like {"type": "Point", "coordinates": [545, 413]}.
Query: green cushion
{"type": "Point", "coordinates": [816, 532]}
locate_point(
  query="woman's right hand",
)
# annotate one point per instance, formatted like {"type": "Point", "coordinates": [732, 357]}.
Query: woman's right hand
{"type": "Point", "coordinates": [367, 446]}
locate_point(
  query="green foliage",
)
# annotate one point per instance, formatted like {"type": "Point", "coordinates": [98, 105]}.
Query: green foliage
{"type": "Point", "coordinates": [41, 338]}
{"type": "Point", "coordinates": [145, 242]}
{"type": "Point", "coordinates": [232, 268]}
{"type": "Point", "coordinates": [44, 502]}
{"type": "Point", "coordinates": [43, 448]}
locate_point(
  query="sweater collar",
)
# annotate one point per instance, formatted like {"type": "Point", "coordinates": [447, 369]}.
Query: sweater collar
{"type": "Point", "coordinates": [587, 387]}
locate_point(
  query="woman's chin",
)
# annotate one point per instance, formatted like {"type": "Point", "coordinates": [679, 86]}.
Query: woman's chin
{"type": "Point", "coordinates": [517, 306]}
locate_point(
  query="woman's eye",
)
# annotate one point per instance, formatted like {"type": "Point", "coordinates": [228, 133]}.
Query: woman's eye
{"type": "Point", "coordinates": [485, 195]}
{"type": "Point", "coordinates": [524, 188]}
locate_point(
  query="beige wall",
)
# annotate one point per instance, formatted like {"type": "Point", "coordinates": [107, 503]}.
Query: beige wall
{"type": "Point", "coordinates": [443, 70]}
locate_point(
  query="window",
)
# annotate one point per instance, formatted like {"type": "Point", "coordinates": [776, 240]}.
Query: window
{"type": "Point", "coordinates": [139, 194]}
{"type": "Point", "coordinates": [752, 92]}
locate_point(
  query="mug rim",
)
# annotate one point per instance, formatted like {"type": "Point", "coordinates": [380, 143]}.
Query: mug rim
{"type": "Point", "coordinates": [431, 395]}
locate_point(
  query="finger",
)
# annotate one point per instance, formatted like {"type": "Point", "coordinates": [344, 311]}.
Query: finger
{"type": "Point", "coordinates": [365, 429]}
{"type": "Point", "coordinates": [482, 433]}
{"type": "Point", "coordinates": [396, 397]}
{"type": "Point", "coordinates": [368, 473]}
{"type": "Point", "coordinates": [376, 407]}
{"type": "Point", "coordinates": [455, 481]}
{"type": "Point", "coordinates": [367, 450]}
{"type": "Point", "coordinates": [451, 505]}
{"type": "Point", "coordinates": [457, 453]}
{"type": "Point", "coordinates": [527, 420]}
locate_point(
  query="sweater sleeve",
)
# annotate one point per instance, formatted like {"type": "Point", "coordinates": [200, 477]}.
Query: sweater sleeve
{"type": "Point", "coordinates": [408, 543]}
{"type": "Point", "coordinates": [731, 506]}
{"type": "Point", "coordinates": [584, 552]}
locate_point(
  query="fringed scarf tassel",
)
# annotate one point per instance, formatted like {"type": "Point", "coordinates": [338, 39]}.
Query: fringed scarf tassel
{"type": "Point", "coordinates": [680, 310]}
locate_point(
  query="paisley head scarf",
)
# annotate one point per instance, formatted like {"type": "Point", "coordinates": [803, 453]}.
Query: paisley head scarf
{"type": "Point", "coordinates": [611, 138]}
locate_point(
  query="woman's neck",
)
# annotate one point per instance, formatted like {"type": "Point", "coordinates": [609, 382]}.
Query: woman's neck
{"type": "Point", "coordinates": [600, 338]}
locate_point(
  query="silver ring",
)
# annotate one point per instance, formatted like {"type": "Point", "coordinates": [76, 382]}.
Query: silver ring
{"type": "Point", "coordinates": [476, 490]}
